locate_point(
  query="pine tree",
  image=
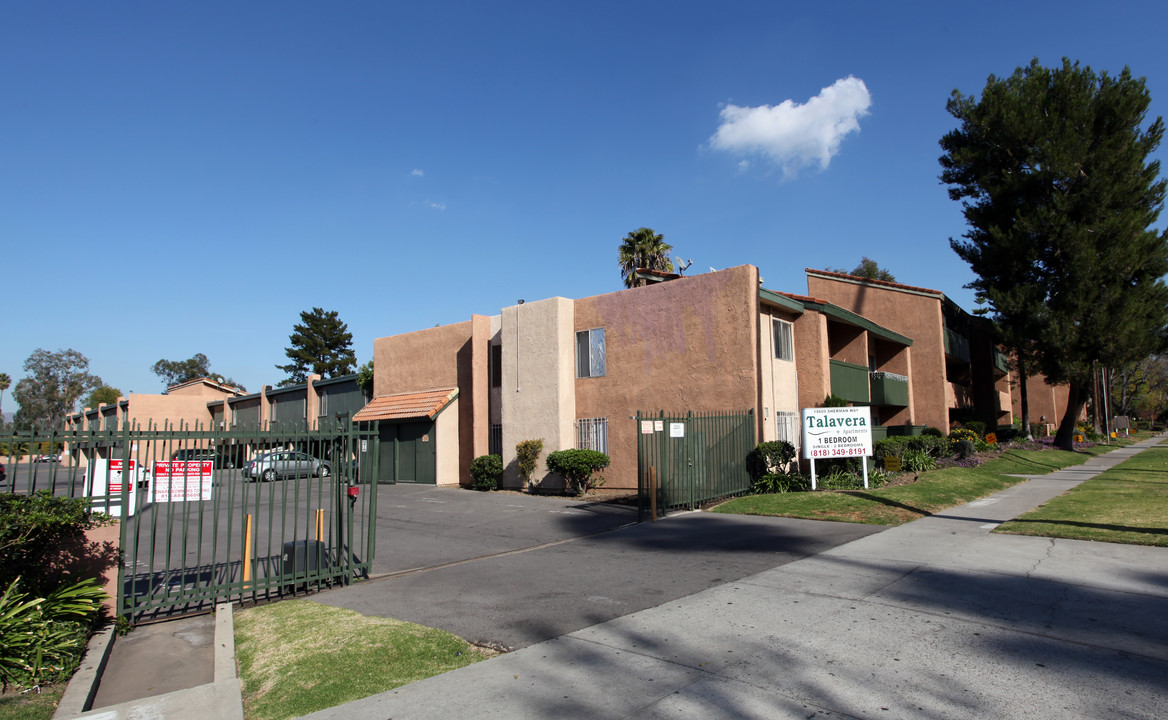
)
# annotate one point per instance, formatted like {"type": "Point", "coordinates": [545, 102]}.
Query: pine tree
{"type": "Point", "coordinates": [1052, 169]}
{"type": "Point", "coordinates": [320, 344]}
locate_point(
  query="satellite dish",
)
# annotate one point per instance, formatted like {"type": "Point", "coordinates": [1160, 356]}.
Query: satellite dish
{"type": "Point", "coordinates": [682, 265]}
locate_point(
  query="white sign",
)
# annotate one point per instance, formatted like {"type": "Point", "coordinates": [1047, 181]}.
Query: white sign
{"type": "Point", "coordinates": [837, 432]}
{"type": "Point", "coordinates": [676, 430]}
{"type": "Point", "coordinates": [658, 425]}
{"type": "Point", "coordinates": [181, 480]}
{"type": "Point", "coordinates": [101, 471]}
{"type": "Point", "coordinates": [646, 427]}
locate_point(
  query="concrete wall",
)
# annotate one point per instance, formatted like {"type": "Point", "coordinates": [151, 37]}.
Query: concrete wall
{"type": "Point", "coordinates": [912, 312]}
{"type": "Point", "coordinates": [538, 393]}
{"type": "Point", "coordinates": [687, 344]}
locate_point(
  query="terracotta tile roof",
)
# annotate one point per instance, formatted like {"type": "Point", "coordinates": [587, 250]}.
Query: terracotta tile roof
{"type": "Point", "coordinates": [885, 283]}
{"type": "Point", "coordinates": [407, 406]}
{"type": "Point", "coordinates": [803, 298]}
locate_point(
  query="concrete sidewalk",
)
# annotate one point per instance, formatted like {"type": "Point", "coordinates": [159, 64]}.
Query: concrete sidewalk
{"type": "Point", "coordinates": [936, 618]}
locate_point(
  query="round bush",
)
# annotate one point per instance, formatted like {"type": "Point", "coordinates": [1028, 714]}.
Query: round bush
{"type": "Point", "coordinates": [485, 471]}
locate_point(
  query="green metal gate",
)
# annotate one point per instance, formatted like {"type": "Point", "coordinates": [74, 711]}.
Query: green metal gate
{"type": "Point", "coordinates": [692, 459]}
{"type": "Point", "coordinates": [208, 516]}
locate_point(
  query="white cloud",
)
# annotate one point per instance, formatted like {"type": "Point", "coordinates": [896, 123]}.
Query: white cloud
{"type": "Point", "coordinates": [436, 205]}
{"type": "Point", "coordinates": [417, 173]}
{"type": "Point", "coordinates": [795, 135]}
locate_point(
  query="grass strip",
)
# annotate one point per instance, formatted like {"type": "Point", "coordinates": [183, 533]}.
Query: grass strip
{"type": "Point", "coordinates": [298, 656]}
{"type": "Point", "coordinates": [934, 491]}
{"type": "Point", "coordinates": [31, 705]}
{"type": "Point", "coordinates": [1126, 504]}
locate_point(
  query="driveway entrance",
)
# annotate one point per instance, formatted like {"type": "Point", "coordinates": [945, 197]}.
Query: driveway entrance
{"type": "Point", "coordinates": [513, 570]}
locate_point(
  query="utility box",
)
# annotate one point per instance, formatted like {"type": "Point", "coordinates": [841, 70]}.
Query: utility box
{"type": "Point", "coordinates": [302, 557]}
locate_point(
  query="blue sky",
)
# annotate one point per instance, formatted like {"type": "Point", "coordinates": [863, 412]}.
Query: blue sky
{"type": "Point", "coordinates": [183, 178]}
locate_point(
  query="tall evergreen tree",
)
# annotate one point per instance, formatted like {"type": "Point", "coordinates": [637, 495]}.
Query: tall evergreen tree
{"type": "Point", "coordinates": [1052, 169]}
{"type": "Point", "coordinates": [643, 248]}
{"type": "Point", "coordinates": [320, 344]}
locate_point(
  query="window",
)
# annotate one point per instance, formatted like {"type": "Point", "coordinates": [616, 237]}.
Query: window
{"type": "Point", "coordinates": [323, 401]}
{"type": "Point", "coordinates": [496, 366]}
{"type": "Point", "coordinates": [592, 434]}
{"type": "Point", "coordinates": [784, 344]}
{"type": "Point", "coordinates": [590, 353]}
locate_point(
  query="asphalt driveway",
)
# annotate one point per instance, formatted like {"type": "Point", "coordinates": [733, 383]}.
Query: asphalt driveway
{"type": "Point", "coordinates": [514, 570]}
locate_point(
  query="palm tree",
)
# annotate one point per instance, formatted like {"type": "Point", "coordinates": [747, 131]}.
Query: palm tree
{"type": "Point", "coordinates": [643, 248]}
{"type": "Point", "coordinates": [5, 382]}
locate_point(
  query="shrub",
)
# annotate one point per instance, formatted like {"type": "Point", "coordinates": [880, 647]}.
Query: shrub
{"type": "Point", "coordinates": [977, 426]}
{"type": "Point", "coordinates": [527, 457]}
{"type": "Point", "coordinates": [963, 434]}
{"type": "Point", "coordinates": [577, 468]}
{"type": "Point", "coordinates": [42, 638]}
{"type": "Point", "coordinates": [485, 471]}
{"type": "Point", "coordinates": [834, 401]}
{"type": "Point", "coordinates": [931, 431]}
{"type": "Point", "coordinates": [770, 458]}
{"type": "Point", "coordinates": [780, 483]}
{"type": "Point", "coordinates": [963, 449]}
{"type": "Point", "coordinates": [918, 461]}
{"type": "Point", "coordinates": [42, 538]}
{"type": "Point", "coordinates": [840, 480]}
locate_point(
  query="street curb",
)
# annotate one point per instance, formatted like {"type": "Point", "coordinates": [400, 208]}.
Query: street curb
{"type": "Point", "coordinates": [82, 687]}
{"type": "Point", "coordinates": [220, 698]}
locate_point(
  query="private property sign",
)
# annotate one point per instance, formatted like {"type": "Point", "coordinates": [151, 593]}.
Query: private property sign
{"type": "Point", "coordinates": [832, 432]}
{"type": "Point", "coordinates": [181, 480]}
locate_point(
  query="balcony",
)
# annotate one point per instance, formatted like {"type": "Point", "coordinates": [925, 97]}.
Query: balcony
{"type": "Point", "coordinates": [956, 346]}
{"type": "Point", "coordinates": [849, 381]}
{"type": "Point", "coordinates": [1001, 362]}
{"type": "Point", "coordinates": [889, 389]}
{"type": "Point", "coordinates": [958, 396]}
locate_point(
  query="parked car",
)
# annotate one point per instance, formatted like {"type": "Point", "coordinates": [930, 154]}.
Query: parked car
{"type": "Point", "coordinates": [221, 460]}
{"type": "Point", "coordinates": [284, 464]}
{"type": "Point", "coordinates": [50, 458]}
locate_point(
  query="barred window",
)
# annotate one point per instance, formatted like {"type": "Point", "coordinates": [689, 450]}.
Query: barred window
{"type": "Point", "coordinates": [592, 434]}
{"type": "Point", "coordinates": [495, 440]}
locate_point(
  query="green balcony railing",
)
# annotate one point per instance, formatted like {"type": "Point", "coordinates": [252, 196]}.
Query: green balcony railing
{"type": "Point", "coordinates": [850, 381]}
{"type": "Point", "coordinates": [889, 389]}
{"type": "Point", "coordinates": [956, 345]}
{"type": "Point", "coordinates": [1001, 361]}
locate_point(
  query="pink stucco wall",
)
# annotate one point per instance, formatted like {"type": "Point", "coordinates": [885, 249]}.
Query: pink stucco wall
{"type": "Point", "coordinates": [688, 344]}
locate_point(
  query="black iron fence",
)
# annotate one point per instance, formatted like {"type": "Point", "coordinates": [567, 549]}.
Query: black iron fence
{"type": "Point", "coordinates": [206, 515]}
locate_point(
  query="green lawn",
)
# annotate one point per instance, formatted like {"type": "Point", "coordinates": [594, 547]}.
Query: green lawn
{"type": "Point", "coordinates": [1126, 504]}
{"type": "Point", "coordinates": [934, 491]}
{"type": "Point", "coordinates": [31, 705]}
{"type": "Point", "coordinates": [297, 656]}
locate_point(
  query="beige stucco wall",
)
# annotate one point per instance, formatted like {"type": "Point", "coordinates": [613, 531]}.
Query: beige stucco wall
{"type": "Point", "coordinates": [914, 314]}
{"type": "Point", "coordinates": [687, 344]}
{"type": "Point", "coordinates": [538, 398]}
{"type": "Point", "coordinates": [448, 464]}
{"type": "Point", "coordinates": [779, 379]}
